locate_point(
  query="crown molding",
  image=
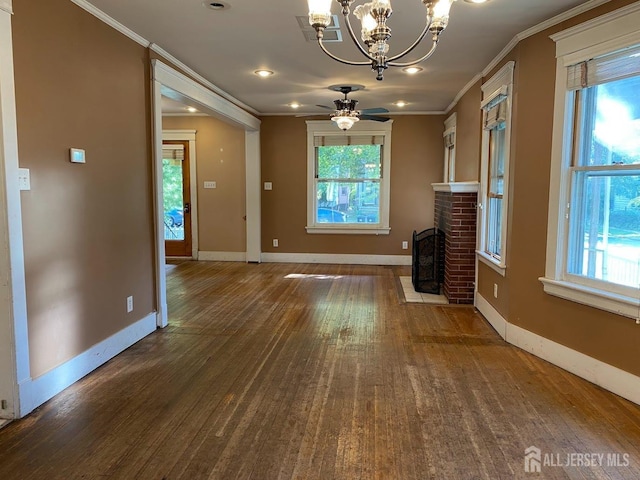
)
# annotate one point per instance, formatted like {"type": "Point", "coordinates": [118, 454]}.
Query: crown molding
{"type": "Point", "coordinates": [463, 92]}
{"type": "Point", "coordinates": [596, 22]}
{"type": "Point", "coordinates": [96, 12]}
{"type": "Point", "coordinates": [200, 79]}
{"type": "Point", "coordinates": [573, 12]}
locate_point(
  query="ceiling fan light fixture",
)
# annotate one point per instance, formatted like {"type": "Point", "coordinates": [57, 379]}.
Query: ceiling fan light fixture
{"type": "Point", "coordinates": [375, 34]}
{"type": "Point", "coordinates": [345, 120]}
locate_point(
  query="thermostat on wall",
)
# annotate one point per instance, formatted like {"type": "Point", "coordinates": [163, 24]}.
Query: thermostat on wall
{"type": "Point", "coordinates": [77, 155]}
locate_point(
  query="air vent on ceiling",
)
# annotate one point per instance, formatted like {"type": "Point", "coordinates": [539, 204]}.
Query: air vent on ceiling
{"type": "Point", "coordinates": [331, 34]}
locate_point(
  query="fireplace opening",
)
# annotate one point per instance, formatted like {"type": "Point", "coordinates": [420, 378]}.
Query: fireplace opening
{"type": "Point", "coordinates": [427, 272]}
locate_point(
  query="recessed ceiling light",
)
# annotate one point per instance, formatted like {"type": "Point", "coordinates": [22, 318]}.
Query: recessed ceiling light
{"type": "Point", "coordinates": [412, 70]}
{"type": "Point", "coordinates": [263, 73]}
{"type": "Point", "coordinates": [476, 1]}
{"type": "Point", "coordinates": [400, 103]}
{"type": "Point", "coordinates": [192, 110]}
{"type": "Point", "coordinates": [294, 105]}
{"type": "Point", "coordinates": [216, 5]}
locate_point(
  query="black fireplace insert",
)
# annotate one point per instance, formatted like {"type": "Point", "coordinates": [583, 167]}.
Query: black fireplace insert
{"type": "Point", "coordinates": [427, 273]}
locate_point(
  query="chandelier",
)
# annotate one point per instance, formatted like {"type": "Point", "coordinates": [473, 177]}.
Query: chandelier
{"type": "Point", "coordinates": [375, 33]}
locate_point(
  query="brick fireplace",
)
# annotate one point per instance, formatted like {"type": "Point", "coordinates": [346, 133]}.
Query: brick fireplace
{"type": "Point", "coordinates": [455, 214]}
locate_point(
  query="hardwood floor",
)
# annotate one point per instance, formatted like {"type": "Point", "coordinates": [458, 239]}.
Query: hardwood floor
{"type": "Point", "coordinates": [279, 371]}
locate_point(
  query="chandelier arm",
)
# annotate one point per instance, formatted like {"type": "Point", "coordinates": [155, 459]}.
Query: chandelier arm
{"type": "Point", "coordinates": [338, 59]}
{"type": "Point", "coordinates": [415, 44]}
{"type": "Point", "coordinates": [355, 39]}
{"type": "Point", "coordinates": [409, 64]}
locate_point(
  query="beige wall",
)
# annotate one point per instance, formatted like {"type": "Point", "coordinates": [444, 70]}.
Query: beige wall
{"type": "Point", "coordinates": [417, 161]}
{"type": "Point", "coordinates": [88, 230]}
{"type": "Point", "coordinates": [468, 135]}
{"type": "Point", "coordinates": [521, 299]}
{"type": "Point", "coordinates": [220, 157]}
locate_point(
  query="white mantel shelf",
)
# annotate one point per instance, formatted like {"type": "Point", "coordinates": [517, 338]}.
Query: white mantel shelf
{"type": "Point", "coordinates": [456, 187]}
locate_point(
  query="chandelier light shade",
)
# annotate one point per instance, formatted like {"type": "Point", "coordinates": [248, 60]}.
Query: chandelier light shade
{"type": "Point", "coordinates": [375, 33]}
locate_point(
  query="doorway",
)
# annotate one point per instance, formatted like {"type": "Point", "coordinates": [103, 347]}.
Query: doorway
{"type": "Point", "coordinates": [176, 181]}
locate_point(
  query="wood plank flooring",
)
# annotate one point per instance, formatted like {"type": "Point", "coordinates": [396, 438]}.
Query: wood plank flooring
{"type": "Point", "coordinates": [283, 371]}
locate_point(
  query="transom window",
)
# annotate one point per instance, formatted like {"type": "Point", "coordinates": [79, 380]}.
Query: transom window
{"type": "Point", "coordinates": [348, 186]}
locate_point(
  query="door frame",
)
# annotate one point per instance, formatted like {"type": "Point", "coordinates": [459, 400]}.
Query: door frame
{"type": "Point", "coordinates": [171, 83]}
{"type": "Point", "coordinates": [189, 136]}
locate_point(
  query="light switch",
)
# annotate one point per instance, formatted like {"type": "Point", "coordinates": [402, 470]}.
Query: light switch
{"type": "Point", "coordinates": [76, 155]}
{"type": "Point", "coordinates": [24, 180]}
{"type": "Point", "coordinates": [210, 185]}
{"type": "Point", "coordinates": [268, 186]}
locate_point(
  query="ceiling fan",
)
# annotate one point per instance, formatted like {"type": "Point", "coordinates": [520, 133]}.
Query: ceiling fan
{"type": "Point", "coordinates": [345, 113]}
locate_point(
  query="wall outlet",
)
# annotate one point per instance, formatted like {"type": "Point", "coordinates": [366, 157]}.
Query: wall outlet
{"type": "Point", "coordinates": [268, 186]}
{"type": "Point", "coordinates": [275, 242]}
{"type": "Point", "coordinates": [129, 304]}
{"type": "Point", "coordinates": [495, 290]}
{"type": "Point", "coordinates": [405, 245]}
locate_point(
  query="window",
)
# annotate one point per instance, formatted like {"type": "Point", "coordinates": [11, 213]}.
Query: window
{"type": "Point", "coordinates": [450, 149]}
{"type": "Point", "coordinates": [593, 245]}
{"type": "Point", "coordinates": [348, 178]}
{"type": "Point", "coordinates": [496, 106]}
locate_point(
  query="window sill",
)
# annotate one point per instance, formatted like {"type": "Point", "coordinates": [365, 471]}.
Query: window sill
{"type": "Point", "coordinates": [349, 230]}
{"type": "Point", "coordinates": [491, 262]}
{"type": "Point", "coordinates": [593, 297]}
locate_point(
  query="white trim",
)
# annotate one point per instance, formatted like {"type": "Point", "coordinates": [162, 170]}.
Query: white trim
{"type": "Point", "coordinates": [498, 267]}
{"type": "Point", "coordinates": [329, 258]}
{"type": "Point", "coordinates": [351, 229]}
{"type": "Point", "coordinates": [593, 297]}
{"type": "Point", "coordinates": [6, 6]}
{"type": "Point", "coordinates": [613, 31]}
{"type": "Point", "coordinates": [585, 7]}
{"type": "Point", "coordinates": [199, 78]}
{"type": "Point", "coordinates": [366, 127]}
{"type": "Point", "coordinates": [43, 388]}
{"type": "Point", "coordinates": [189, 136]}
{"type": "Point", "coordinates": [208, 100]}
{"type": "Point", "coordinates": [613, 379]}
{"type": "Point", "coordinates": [222, 256]}
{"type": "Point", "coordinates": [501, 83]}
{"type": "Point", "coordinates": [13, 296]}
{"type": "Point", "coordinates": [456, 187]}
{"type": "Point", "coordinates": [96, 12]}
{"type": "Point", "coordinates": [462, 92]}
{"type": "Point", "coordinates": [253, 196]}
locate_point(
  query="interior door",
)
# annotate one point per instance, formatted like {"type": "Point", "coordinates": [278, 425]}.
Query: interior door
{"type": "Point", "coordinates": [176, 198]}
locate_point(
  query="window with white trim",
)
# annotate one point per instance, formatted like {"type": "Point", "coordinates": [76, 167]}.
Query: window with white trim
{"type": "Point", "coordinates": [496, 133]}
{"type": "Point", "coordinates": [348, 178]}
{"type": "Point", "coordinates": [450, 149]}
{"type": "Point", "coordinates": [593, 245]}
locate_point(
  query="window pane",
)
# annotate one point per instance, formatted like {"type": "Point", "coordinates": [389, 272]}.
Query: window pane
{"type": "Point", "coordinates": [348, 202]}
{"type": "Point", "coordinates": [496, 159]}
{"type": "Point", "coordinates": [494, 227]}
{"type": "Point", "coordinates": [605, 228]}
{"type": "Point", "coordinates": [343, 161]}
{"type": "Point", "coordinates": [611, 123]}
{"type": "Point", "coordinates": [172, 197]}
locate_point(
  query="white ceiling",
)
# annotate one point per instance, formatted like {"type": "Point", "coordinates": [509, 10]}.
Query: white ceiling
{"type": "Point", "coordinates": [227, 46]}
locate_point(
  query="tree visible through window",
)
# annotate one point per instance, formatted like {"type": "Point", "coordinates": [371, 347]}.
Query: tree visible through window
{"type": "Point", "coordinates": [348, 184]}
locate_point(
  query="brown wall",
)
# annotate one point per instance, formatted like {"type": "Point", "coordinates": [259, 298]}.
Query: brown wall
{"type": "Point", "coordinates": [521, 299]}
{"type": "Point", "coordinates": [417, 161]}
{"type": "Point", "coordinates": [88, 231]}
{"type": "Point", "coordinates": [468, 135]}
{"type": "Point", "coordinates": [220, 157]}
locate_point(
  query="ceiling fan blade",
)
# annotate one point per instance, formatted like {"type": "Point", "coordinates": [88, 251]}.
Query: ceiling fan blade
{"type": "Point", "coordinates": [325, 106]}
{"type": "Point", "coordinates": [375, 118]}
{"type": "Point", "coordinates": [367, 111]}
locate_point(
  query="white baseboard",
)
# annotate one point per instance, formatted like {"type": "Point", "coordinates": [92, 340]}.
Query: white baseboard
{"type": "Point", "coordinates": [37, 391]}
{"type": "Point", "coordinates": [329, 258]}
{"type": "Point", "coordinates": [602, 374]}
{"type": "Point", "coordinates": [222, 256]}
